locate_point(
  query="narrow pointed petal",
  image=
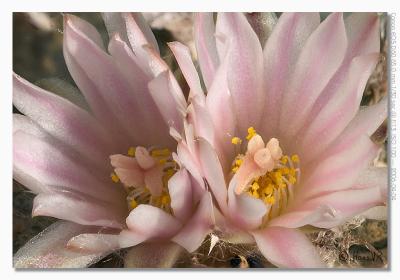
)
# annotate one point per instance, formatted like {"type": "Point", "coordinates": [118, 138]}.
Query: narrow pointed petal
{"type": "Point", "coordinates": [180, 190]}
{"type": "Point", "coordinates": [139, 32]}
{"type": "Point", "coordinates": [245, 68]}
{"type": "Point", "coordinates": [339, 111]}
{"type": "Point", "coordinates": [287, 248]}
{"type": "Point", "coordinates": [162, 92]}
{"type": "Point", "coordinates": [148, 223]}
{"type": "Point", "coordinates": [153, 255]}
{"type": "Point", "coordinates": [63, 120]}
{"type": "Point", "coordinates": [152, 125]}
{"type": "Point", "coordinates": [107, 92]}
{"type": "Point", "coordinates": [321, 56]}
{"type": "Point", "coordinates": [213, 173]}
{"type": "Point", "coordinates": [79, 209]}
{"type": "Point", "coordinates": [198, 226]}
{"type": "Point", "coordinates": [94, 243]}
{"type": "Point", "coordinates": [184, 59]}
{"type": "Point", "coordinates": [48, 249]}
{"type": "Point", "coordinates": [115, 24]}
{"type": "Point", "coordinates": [245, 211]}
{"type": "Point", "coordinates": [346, 204]}
{"type": "Point", "coordinates": [340, 170]}
{"type": "Point", "coordinates": [204, 36]}
{"type": "Point", "coordinates": [51, 166]}
{"type": "Point", "coordinates": [281, 53]}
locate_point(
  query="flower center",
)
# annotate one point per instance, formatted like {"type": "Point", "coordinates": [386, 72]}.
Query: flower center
{"type": "Point", "coordinates": [144, 174]}
{"type": "Point", "coordinates": [264, 172]}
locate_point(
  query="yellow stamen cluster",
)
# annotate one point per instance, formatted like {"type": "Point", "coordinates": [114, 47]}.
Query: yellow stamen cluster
{"type": "Point", "coordinates": [236, 141]}
{"type": "Point", "coordinates": [237, 163]}
{"type": "Point", "coordinates": [264, 187]}
{"type": "Point", "coordinates": [131, 151]}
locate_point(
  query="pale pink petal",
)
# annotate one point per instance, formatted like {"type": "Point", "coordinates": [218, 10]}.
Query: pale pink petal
{"type": "Point", "coordinates": [213, 173]}
{"type": "Point", "coordinates": [287, 248]}
{"type": "Point", "coordinates": [339, 170]}
{"type": "Point", "coordinates": [180, 191]}
{"type": "Point", "coordinates": [280, 55]}
{"type": "Point", "coordinates": [374, 177]}
{"type": "Point", "coordinates": [49, 165]}
{"type": "Point", "coordinates": [107, 92]}
{"type": "Point", "coordinates": [147, 222]}
{"type": "Point", "coordinates": [345, 204]}
{"type": "Point", "coordinates": [363, 34]}
{"type": "Point", "coordinates": [190, 163]}
{"type": "Point", "coordinates": [63, 120]}
{"type": "Point", "coordinates": [376, 213]}
{"type": "Point", "coordinates": [115, 24]}
{"type": "Point", "coordinates": [28, 181]}
{"type": "Point", "coordinates": [363, 38]}
{"type": "Point", "coordinates": [153, 255]}
{"type": "Point", "coordinates": [198, 226]}
{"type": "Point", "coordinates": [48, 249]}
{"type": "Point", "coordinates": [321, 56]}
{"type": "Point", "coordinates": [245, 211]}
{"type": "Point", "coordinates": [245, 68]}
{"type": "Point", "coordinates": [79, 209]}
{"type": "Point", "coordinates": [221, 111]}
{"type": "Point", "coordinates": [200, 118]}
{"type": "Point", "coordinates": [184, 59]}
{"type": "Point", "coordinates": [204, 36]}
{"type": "Point", "coordinates": [340, 110]}
{"type": "Point", "coordinates": [162, 92]}
{"type": "Point", "coordinates": [139, 32]}
{"type": "Point", "coordinates": [94, 243]}
{"type": "Point", "coordinates": [297, 219]}
{"type": "Point", "coordinates": [150, 114]}
{"type": "Point", "coordinates": [131, 177]}
{"type": "Point", "coordinates": [25, 124]}
{"type": "Point", "coordinates": [153, 180]}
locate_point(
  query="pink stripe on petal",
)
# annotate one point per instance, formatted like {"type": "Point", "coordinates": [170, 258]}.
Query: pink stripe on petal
{"type": "Point", "coordinates": [321, 56]}
{"type": "Point", "coordinates": [146, 222]}
{"type": "Point", "coordinates": [244, 70]}
{"type": "Point", "coordinates": [204, 36]}
{"type": "Point", "coordinates": [338, 170]}
{"type": "Point", "coordinates": [340, 110]}
{"type": "Point", "coordinates": [63, 120]}
{"type": "Point", "coordinates": [78, 209]}
{"type": "Point", "coordinates": [51, 166]}
{"type": "Point", "coordinates": [280, 55]}
{"type": "Point", "coordinates": [287, 248]}
{"type": "Point", "coordinates": [193, 233]}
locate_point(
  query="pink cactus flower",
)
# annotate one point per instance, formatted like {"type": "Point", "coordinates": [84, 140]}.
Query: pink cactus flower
{"type": "Point", "coordinates": [280, 136]}
{"type": "Point", "coordinates": [104, 161]}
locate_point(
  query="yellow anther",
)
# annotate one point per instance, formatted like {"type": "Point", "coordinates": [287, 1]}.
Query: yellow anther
{"type": "Point", "coordinates": [295, 158]}
{"type": "Point", "coordinates": [269, 189]}
{"type": "Point", "coordinates": [270, 200]}
{"type": "Point", "coordinates": [255, 186]}
{"type": "Point", "coordinates": [133, 203]}
{"type": "Point", "coordinates": [285, 171]}
{"type": "Point", "coordinates": [284, 159]}
{"type": "Point", "coordinates": [251, 132]}
{"type": "Point", "coordinates": [114, 177]}
{"type": "Point", "coordinates": [236, 141]}
{"type": "Point", "coordinates": [238, 161]}
{"type": "Point", "coordinates": [131, 151]}
{"type": "Point", "coordinates": [255, 194]}
{"type": "Point", "coordinates": [162, 161]}
{"type": "Point", "coordinates": [161, 152]}
{"type": "Point", "coordinates": [165, 199]}
{"type": "Point", "coordinates": [235, 169]}
{"type": "Point", "coordinates": [292, 180]}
